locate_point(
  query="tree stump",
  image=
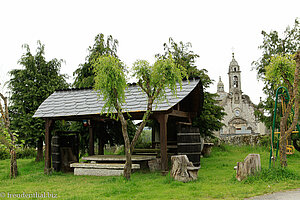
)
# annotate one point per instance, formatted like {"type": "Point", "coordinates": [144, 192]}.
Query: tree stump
{"type": "Point", "coordinates": [250, 166]}
{"type": "Point", "coordinates": [182, 169]}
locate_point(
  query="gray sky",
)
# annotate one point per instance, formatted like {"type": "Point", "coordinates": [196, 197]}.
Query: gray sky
{"type": "Point", "coordinates": [213, 27]}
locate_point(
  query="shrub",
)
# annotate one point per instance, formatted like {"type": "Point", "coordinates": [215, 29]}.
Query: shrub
{"type": "Point", "coordinates": [21, 153]}
{"type": "Point", "coordinates": [265, 141]}
{"type": "Point", "coordinates": [26, 153]}
{"type": "Point", "coordinates": [144, 141]}
{"type": "Point", "coordinates": [4, 154]}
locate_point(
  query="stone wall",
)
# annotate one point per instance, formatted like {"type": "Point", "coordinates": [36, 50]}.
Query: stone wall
{"type": "Point", "coordinates": [242, 139]}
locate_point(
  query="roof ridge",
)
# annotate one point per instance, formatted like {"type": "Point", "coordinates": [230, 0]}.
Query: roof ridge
{"type": "Point", "coordinates": [129, 84]}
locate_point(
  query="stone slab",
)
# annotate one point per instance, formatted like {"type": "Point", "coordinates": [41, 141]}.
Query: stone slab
{"type": "Point", "coordinates": [97, 172]}
{"type": "Point", "coordinates": [103, 165]}
{"type": "Point", "coordinates": [117, 158]}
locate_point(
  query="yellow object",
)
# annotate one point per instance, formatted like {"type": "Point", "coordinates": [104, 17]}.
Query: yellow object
{"type": "Point", "coordinates": [292, 132]}
{"type": "Point", "coordinates": [290, 149]}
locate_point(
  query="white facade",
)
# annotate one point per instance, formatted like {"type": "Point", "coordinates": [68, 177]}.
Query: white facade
{"type": "Point", "coordinates": [240, 118]}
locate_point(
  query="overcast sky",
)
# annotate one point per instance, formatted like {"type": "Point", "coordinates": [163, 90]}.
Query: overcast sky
{"type": "Point", "coordinates": [215, 29]}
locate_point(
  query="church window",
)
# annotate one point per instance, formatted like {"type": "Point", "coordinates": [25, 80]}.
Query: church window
{"type": "Point", "coordinates": [235, 81]}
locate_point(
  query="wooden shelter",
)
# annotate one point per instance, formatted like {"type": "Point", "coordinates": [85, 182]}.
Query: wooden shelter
{"type": "Point", "coordinates": [85, 104]}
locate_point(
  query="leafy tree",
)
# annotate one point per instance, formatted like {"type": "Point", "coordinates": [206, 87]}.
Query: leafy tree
{"type": "Point", "coordinates": [283, 70]}
{"type": "Point", "coordinates": [212, 114]}
{"type": "Point", "coordinates": [29, 87]}
{"type": "Point", "coordinates": [274, 44]}
{"type": "Point", "coordinates": [7, 138]}
{"type": "Point", "coordinates": [111, 83]}
{"type": "Point", "coordinates": [84, 75]}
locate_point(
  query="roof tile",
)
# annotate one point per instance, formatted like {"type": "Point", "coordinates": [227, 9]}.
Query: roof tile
{"type": "Point", "coordinates": [87, 101]}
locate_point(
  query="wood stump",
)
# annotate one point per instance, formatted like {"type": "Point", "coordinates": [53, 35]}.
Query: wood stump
{"type": "Point", "coordinates": [207, 149]}
{"type": "Point", "coordinates": [250, 166]}
{"type": "Point", "coordinates": [182, 169]}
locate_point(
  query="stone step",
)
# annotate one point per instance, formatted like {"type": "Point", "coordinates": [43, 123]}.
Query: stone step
{"type": "Point", "coordinates": [100, 169]}
{"type": "Point", "coordinates": [103, 165]}
{"type": "Point", "coordinates": [97, 172]}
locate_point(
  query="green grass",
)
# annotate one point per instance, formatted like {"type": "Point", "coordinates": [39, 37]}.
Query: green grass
{"type": "Point", "coordinates": [216, 180]}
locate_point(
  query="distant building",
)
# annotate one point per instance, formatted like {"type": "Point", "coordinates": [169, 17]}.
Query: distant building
{"type": "Point", "coordinates": [240, 118]}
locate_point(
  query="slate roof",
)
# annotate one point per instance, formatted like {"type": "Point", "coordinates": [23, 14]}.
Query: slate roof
{"type": "Point", "coordinates": [82, 102]}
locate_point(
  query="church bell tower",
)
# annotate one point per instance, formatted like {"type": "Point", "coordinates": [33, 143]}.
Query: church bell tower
{"type": "Point", "coordinates": [234, 75]}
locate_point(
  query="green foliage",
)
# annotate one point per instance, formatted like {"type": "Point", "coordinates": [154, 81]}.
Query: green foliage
{"type": "Point", "coordinates": [210, 117]}
{"type": "Point", "coordinates": [266, 140]}
{"type": "Point", "coordinates": [110, 82]}
{"type": "Point", "coordinates": [6, 140]}
{"type": "Point", "coordinates": [280, 70]}
{"type": "Point", "coordinates": [29, 87]}
{"type": "Point", "coordinates": [273, 45]}
{"type": "Point", "coordinates": [182, 56]}
{"type": "Point", "coordinates": [144, 141]}
{"type": "Point", "coordinates": [84, 74]}
{"type": "Point", "coordinates": [276, 48]}
{"type": "Point", "coordinates": [154, 79]}
{"type": "Point", "coordinates": [212, 114]}
{"type": "Point", "coordinates": [21, 153]}
{"type": "Point", "coordinates": [4, 154]}
{"type": "Point", "coordinates": [110, 79]}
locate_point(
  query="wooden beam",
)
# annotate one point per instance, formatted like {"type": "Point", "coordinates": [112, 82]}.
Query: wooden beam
{"type": "Point", "coordinates": [91, 139]}
{"type": "Point", "coordinates": [163, 119]}
{"type": "Point", "coordinates": [177, 113]}
{"type": "Point", "coordinates": [48, 124]}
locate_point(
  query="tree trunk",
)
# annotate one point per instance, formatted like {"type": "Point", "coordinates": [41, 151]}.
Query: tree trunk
{"type": "Point", "coordinates": [182, 169]}
{"type": "Point", "coordinates": [128, 164]}
{"type": "Point", "coordinates": [39, 155]}
{"type": "Point", "coordinates": [282, 149]}
{"type": "Point", "coordinates": [127, 167]}
{"type": "Point", "coordinates": [294, 99]}
{"type": "Point", "coordinates": [283, 141]}
{"type": "Point", "coordinates": [250, 166]}
{"type": "Point", "coordinates": [13, 164]}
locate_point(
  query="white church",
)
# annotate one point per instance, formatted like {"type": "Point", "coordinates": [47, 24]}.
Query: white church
{"type": "Point", "coordinates": [240, 118]}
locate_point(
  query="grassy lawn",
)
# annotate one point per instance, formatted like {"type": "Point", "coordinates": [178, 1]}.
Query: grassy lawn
{"type": "Point", "coordinates": [216, 180]}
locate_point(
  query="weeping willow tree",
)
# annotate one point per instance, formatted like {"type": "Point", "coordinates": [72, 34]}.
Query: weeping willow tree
{"type": "Point", "coordinates": [110, 82]}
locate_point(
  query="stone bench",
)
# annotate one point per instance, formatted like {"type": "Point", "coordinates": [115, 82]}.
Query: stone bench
{"type": "Point", "coordinates": [100, 169]}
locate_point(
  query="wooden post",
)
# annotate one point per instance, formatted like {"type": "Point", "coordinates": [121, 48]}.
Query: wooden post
{"type": "Point", "coordinates": [48, 124]}
{"type": "Point", "coordinates": [153, 137]}
{"type": "Point", "coordinates": [100, 134]}
{"type": "Point", "coordinates": [91, 139]}
{"type": "Point", "coordinates": [163, 119]}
